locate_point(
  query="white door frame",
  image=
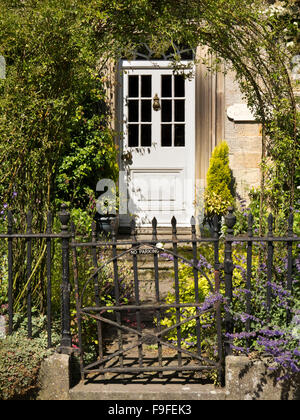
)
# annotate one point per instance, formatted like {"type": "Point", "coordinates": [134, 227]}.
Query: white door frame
{"type": "Point", "coordinates": [190, 150]}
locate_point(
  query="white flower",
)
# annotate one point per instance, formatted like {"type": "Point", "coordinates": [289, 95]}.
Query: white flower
{"type": "Point", "coordinates": [160, 245]}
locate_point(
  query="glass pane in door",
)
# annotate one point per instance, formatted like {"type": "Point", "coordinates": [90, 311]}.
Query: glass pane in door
{"type": "Point", "coordinates": [146, 86]}
{"type": "Point", "coordinates": [133, 111]}
{"type": "Point", "coordinates": [133, 135]}
{"type": "Point", "coordinates": [179, 135]}
{"type": "Point", "coordinates": [146, 135]}
{"type": "Point", "coordinates": [166, 86]}
{"type": "Point", "coordinates": [166, 135]}
{"type": "Point", "coordinates": [133, 86]}
{"type": "Point", "coordinates": [146, 111]}
{"type": "Point", "coordinates": [179, 85]}
{"type": "Point", "coordinates": [166, 110]}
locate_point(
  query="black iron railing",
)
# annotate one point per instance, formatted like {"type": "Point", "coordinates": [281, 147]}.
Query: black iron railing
{"type": "Point", "coordinates": [112, 315]}
{"type": "Point", "coordinates": [48, 236]}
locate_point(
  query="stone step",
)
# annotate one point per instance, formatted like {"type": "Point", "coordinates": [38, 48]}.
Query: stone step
{"type": "Point", "coordinates": [163, 233]}
{"type": "Point", "coordinates": [146, 277]}
{"type": "Point", "coordinates": [147, 286]}
{"type": "Point", "coordinates": [145, 391]}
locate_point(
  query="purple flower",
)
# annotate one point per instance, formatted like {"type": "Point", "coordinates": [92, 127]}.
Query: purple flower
{"type": "Point", "coordinates": [168, 256]}
{"type": "Point", "coordinates": [240, 349]}
{"type": "Point", "coordinates": [244, 317]}
{"type": "Point", "coordinates": [272, 333]}
{"type": "Point", "coordinates": [210, 300]}
{"type": "Point", "coordinates": [203, 263]}
{"type": "Point", "coordinates": [243, 334]}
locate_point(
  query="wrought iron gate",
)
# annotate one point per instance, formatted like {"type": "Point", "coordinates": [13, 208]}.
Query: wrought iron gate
{"type": "Point", "coordinates": [133, 336]}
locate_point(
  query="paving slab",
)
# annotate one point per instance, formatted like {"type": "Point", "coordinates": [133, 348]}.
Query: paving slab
{"type": "Point", "coordinates": [161, 392]}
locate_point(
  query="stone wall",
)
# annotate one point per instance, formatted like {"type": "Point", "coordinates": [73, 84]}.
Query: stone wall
{"type": "Point", "coordinates": [248, 379]}
{"type": "Point", "coordinates": [54, 378]}
{"type": "Point", "coordinates": [243, 136]}
{"type": "Point", "coordinates": [245, 378]}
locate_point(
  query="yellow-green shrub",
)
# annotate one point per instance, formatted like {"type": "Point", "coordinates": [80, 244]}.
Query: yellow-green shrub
{"type": "Point", "coordinates": [186, 295]}
{"type": "Point", "coordinates": [219, 182]}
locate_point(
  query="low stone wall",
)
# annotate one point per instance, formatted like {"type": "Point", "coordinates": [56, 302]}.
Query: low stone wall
{"type": "Point", "coordinates": [54, 378]}
{"type": "Point", "coordinates": [246, 379]}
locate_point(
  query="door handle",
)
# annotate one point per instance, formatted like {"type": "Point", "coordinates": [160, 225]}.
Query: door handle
{"type": "Point", "coordinates": [156, 104]}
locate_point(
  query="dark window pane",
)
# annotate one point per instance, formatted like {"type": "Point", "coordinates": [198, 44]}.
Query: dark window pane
{"type": "Point", "coordinates": [146, 135]}
{"type": "Point", "coordinates": [179, 110]}
{"type": "Point", "coordinates": [166, 110]}
{"type": "Point", "coordinates": [166, 135]}
{"type": "Point", "coordinates": [179, 86]}
{"type": "Point", "coordinates": [146, 110]}
{"type": "Point", "coordinates": [133, 135]}
{"type": "Point", "coordinates": [166, 86]}
{"type": "Point", "coordinates": [146, 86]}
{"type": "Point", "coordinates": [133, 111]}
{"type": "Point", "coordinates": [133, 86]}
{"type": "Point", "coordinates": [179, 140]}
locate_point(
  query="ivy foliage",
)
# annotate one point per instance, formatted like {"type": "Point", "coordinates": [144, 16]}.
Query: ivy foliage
{"type": "Point", "coordinates": [53, 125]}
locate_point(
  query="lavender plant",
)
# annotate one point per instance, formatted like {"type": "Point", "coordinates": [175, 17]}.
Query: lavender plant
{"type": "Point", "coordinates": [272, 328]}
{"type": "Point", "coordinates": [269, 329]}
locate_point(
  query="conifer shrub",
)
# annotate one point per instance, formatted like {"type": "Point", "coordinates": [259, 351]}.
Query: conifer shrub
{"type": "Point", "coordinates": [218, 194]}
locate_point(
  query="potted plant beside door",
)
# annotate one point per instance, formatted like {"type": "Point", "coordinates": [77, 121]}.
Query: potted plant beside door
{"type": "Point", "coordinates": [106, 216]}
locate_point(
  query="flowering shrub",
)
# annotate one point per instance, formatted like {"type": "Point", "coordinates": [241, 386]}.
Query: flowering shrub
{"type": "Point", "coordinates": [21, 358]}
{"type": "Point", "coordinates": [271, 330]}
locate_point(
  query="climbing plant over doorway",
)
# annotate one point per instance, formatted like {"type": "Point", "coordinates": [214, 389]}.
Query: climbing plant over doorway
{"type": "Point", "coordinates": [255, 38]}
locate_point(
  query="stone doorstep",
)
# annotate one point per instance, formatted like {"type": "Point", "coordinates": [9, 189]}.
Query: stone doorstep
{"type": "Point", "coordinates": [152, 392]}
{"type": "Point", "coordinates": [246, 379]}
{"type": "Point", "coordinates": [163, 233]}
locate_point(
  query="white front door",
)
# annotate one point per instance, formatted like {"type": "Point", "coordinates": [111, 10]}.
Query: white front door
{"type": "Point", "coordinates": [159, 141]}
